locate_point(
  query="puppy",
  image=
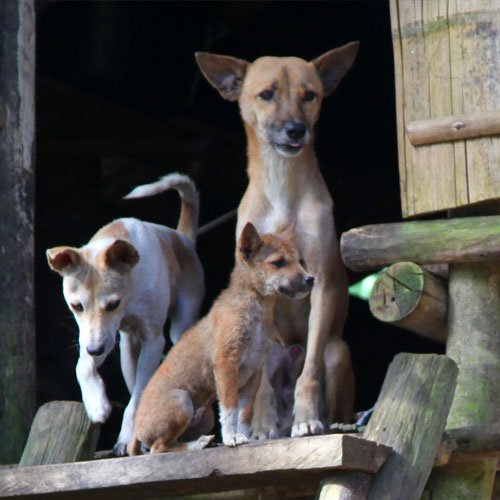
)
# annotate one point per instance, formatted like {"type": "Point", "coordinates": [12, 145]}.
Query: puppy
{"type": "Point", "coordinates": [224, 353]}
{"type": "Point", "coordinates": [127, 279]}
{"type": "Point", "coordinates": [280, 100]}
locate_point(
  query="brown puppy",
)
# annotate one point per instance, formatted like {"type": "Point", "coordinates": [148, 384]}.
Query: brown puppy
{"type": "Point", "coordinates": [224, 353]}
{"type": "Point", "coordinates": [280, 100]}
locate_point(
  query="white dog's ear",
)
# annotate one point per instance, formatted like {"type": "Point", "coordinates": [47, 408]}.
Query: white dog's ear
{"type": "Point", "coordinates": [249, 242]}
{"type": "Point", "coordinates": [225, 73]}
{"type": "Point", "coordinates": [63, 260]}
{"type": "Point", "coordinates": [121, 253]}
{"type": "Point", "coordinates": [333, 65]}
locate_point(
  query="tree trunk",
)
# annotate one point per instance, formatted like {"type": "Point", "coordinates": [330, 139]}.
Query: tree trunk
{"type": "Point", "coordinates": [17, 330]}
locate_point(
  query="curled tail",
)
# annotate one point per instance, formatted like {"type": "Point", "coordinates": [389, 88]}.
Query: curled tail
{"type": "Point", "coordinates": [190, 200]}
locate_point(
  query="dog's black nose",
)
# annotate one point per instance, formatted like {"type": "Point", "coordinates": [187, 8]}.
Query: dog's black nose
{"type": "Point", "coordinates": [309, 280]}
{"type": "Point", "coordinates": [96, 351]}
{"type": "Point", "coordinates": [295, 130]}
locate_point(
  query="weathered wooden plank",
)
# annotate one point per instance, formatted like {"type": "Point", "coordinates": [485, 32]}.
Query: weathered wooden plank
{"type": "Point", "coordinates": [410, 416]}
{"type": "Point", "coordinates": [17, 319]}
{"type": "Point", "coordinates": [278, 462]}
{"type": "Point", "coordinates": [453, 128]}
{"type": "Point", "coordinates": [61, 432]}
{"type": "Point", "coordinates": [408, 296]}
{"type": "Point", "coordinates": [474, 343]}
{"type": "Point", "coordinates": [471, 239]}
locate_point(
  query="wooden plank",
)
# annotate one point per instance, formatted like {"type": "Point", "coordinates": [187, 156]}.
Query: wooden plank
{"type": "Point", "coordinates": [408, 296]}
{"type": "Point", "coordinates": [17, 315]}
{"type": "Point", "coordinates": [278, 462]}
{"type": "Point", "coordinates": [61, 432]}
{"type": "Point", "coordinates": [410, 416]}
{"type": "Point", "coordinates": [454, 128]}
{"type": "Point", "coordinates": [474, 342]}
{"type": "Point", "coordinates": [471, 239]}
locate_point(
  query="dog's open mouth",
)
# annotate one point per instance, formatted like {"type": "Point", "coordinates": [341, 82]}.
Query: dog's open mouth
{"type": "Point", "coordinates": [291, 148]}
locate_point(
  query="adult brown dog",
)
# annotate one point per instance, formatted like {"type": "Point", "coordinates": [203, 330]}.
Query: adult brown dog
{"type": "Point", "coordinates": [223, 355]}
{"type": "Point", "coordinates": [280, 100]}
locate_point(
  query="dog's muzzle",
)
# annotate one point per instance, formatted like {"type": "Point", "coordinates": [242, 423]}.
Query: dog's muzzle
{"type": "Point", "coordinates": [289, 139]}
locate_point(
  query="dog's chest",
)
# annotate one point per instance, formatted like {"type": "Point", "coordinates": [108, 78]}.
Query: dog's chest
{"type": "Point", "coordinates": [255, 342]}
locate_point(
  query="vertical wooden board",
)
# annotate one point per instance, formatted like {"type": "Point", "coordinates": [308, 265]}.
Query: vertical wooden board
{"type": "Point", "coordinates": [399, 88]}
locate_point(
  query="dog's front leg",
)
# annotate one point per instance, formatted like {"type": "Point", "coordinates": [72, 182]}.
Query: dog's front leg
{"type": "Point", "coordinates": [92, 386]}
{"type": "Point", "coordinates": [149, 359]}
{"type": "Point", "coordinates": [265, 415]}
{"type": "Point", "coordinates": [226, 381]}
{"type": "Point", "coordinates": [246, 403]}
{"type": "Point", "coordinates": [308, 389]}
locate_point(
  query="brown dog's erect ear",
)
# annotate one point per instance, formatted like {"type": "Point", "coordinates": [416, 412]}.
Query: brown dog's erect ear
{"type": "Point", "coordinates": [250, 242]}
{"type": "Point", "coordinates": [63, 260]}
{"type": "Point", "coordinates": [225, 73]}
{"type": "Point", "coordinates": [121, 253]}
{"type": "Point", "coordinates": [333, 65]}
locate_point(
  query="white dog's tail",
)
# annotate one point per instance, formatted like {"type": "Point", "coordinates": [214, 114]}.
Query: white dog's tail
{"type": "Point", "coordinates": [190, 200]}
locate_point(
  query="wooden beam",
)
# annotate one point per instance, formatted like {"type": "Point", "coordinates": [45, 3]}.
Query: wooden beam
{"type": "Point", "coordinates": [407, 295]}
{"type": "Point", "coordinates": [17, 315]}
{"type": "Point", "coordinates": [61, 432]}
{"type": "Point", "coordinates": [471, 239]}
{"type": "Point", "coordinates": [453, 128]}
{"type": "Point", "coordinates": [272, 463]}
{"type": "Point", "coordinates": [410, 416]}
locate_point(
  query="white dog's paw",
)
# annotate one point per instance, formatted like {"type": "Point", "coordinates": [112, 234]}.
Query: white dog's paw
{"type": "Point", "coordinates": [311, 427]}
{"type": "Point", "coordinates": [235, 440]}
{"type": "Point", "coordinates": [265, 433]}
{"type": "Point", "coordinates": [201, 442]}
{"type": "Point", "coordinates": [120, 450]}
{"type": "Point", "coordinates": [98, 409]}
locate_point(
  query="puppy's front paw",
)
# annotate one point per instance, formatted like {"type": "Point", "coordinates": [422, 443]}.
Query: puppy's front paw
{"type": "Point", "coordinates": [98, 409]}
{"type": "Point", "coordinates": [311, 427]}
{"type": "Point", "coordinates": [265, 433]}
{"type": "Point", "coordinates": [235, 440]}
{"type": "Point", "coordinates": [120, 450]}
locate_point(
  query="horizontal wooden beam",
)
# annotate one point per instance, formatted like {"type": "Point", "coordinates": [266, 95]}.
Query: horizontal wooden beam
{"type": "Point", "coordinates": [407, 295]}
{"type": "Point", "coordinates": [278, 462]}
{"type": "Point", "coordinates": [453, 128]}
{"type": "Point", "coordinates": [466, 239]}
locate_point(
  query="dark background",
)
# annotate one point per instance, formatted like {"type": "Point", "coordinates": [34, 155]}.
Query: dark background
{"type": "Point", "coordinates": [120, 102]}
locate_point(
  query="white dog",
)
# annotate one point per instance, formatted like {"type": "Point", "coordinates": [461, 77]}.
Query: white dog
{"type": "Point", "coordinates": [128, 279]}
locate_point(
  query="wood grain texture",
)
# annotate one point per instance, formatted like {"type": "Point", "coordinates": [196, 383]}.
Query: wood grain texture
{"type": "Point", "coordinates": [61, 432]}
{"type": "Point", "coordinates": [410, 416]}
{"type": "Point", "coordinates": [17, 178]}
{"type": "Point", "coordinates": [273, 463]}
{"type": "Point", "coordinates": [345, 486]}
{"type": "Point", "coordinates": [408, 296]}
{"type": "Point", "coordinates": [447, 63]}
{"type": "Point", "coordinates": [470, 239]}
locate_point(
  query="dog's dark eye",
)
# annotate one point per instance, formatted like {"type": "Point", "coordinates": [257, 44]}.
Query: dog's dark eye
{"type": "Point", "coordinates": [111, 306]}
{"type": "Point", "coordinates": [309, 96]}
{"type": "Point", "coordinates": [267, 95]}
{"type": "Point", "coordinates": [279, 263]}
{"type": "Point", "coordinates": [77, 307]}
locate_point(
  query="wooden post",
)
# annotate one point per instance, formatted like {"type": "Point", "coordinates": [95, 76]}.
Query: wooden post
{"type": "Point", "coordinates": [345, 486]}
{"type": "Point", "coordinates": [61, 432]}
{"type": "Point", "coordinates": [474, 343]}
{"type": "Point", "coordinates": [410, 416]}
{"type": "Point", "coordinates": [408, 296]}
{"type": "Point", "coordinates": [17, 322]}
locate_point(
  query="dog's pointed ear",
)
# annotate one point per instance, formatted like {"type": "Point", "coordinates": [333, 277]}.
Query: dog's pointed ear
{"type": "Point", "coordinates": [121, 254]}
{"type": "Point", "coordinates": [249, 242]}
{"type": "Point", "coordinates": [333, 65]}
{"type": "Point", "coordinates": [225, 73]}
{"type": "Point", "coordinates": [63, 260]}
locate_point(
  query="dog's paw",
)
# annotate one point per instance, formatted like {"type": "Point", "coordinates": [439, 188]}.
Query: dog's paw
{"type": "Point", "coordinates": [201, 442]}
{"type": "Point", "coordinates": [235, 440]}
{"type": "Point", "coordinates": [98, 409]}
{"type": "Point", "coordinates": [120, 450]}
{"type": "Point", "coordinates": [309, 428]}
{"type": "Point", "coordinates": [263, 434]}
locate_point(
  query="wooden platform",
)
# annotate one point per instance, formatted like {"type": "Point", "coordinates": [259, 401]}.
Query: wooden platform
{"type": "Point", "coordinates": [284, 462]}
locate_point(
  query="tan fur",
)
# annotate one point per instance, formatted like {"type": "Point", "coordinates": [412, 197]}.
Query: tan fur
{"type": "Point", "coordinates": [280, 100]}
{"type": "Point", "coordinates": [223, 354]}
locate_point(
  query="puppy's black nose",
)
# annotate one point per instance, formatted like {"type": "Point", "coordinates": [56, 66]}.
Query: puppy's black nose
{"type": "Point", "coordinates": [295, 130]}
{"type": "Point", "coordinates": [95, 351]}
{"type": "Point", "coordinates": [309, 280]}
